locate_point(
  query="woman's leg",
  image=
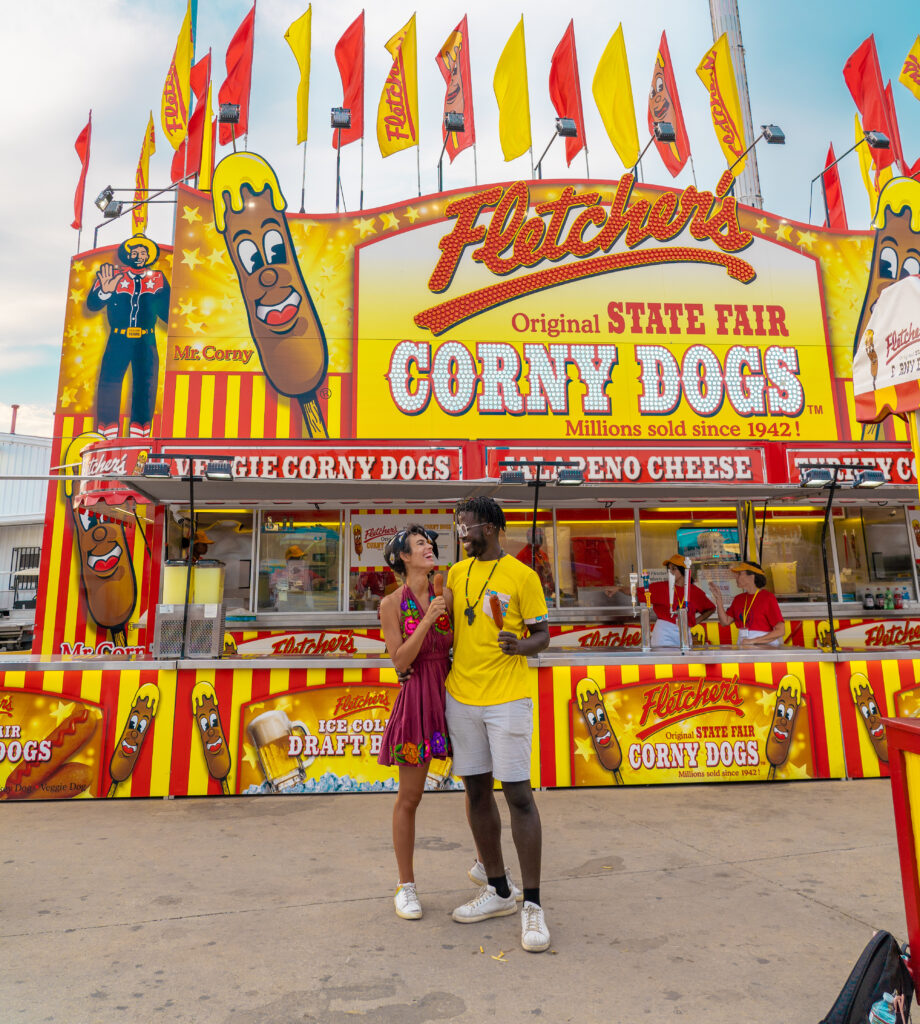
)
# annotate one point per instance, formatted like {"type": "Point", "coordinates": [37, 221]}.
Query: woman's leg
{"type": "Point", "coordinates": [411, 786]}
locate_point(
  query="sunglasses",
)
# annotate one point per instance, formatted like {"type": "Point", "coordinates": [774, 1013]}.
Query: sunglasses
{"type": "Point", "coordinates": [463, 530]}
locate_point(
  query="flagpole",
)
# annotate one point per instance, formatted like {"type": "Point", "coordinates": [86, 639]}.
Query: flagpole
{"type": "Point", "coordinates": [587, 168]}
{"type": "Point", "coordinates": [692, 169]}
{"type": "Point", "coordinates": [303, 180]}
{"type": "Point", "coordinates": [362, 173]}
{"type": "Point", "coordinates": [475, 167]}
{"type": "Point", "coordinates": [418, 169]}
{"type": "Point", "coordinates": [531, 162]}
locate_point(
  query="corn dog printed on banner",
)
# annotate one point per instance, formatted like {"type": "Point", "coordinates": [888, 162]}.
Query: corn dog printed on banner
{"type": "Point", "coordinates": [51, 747]}
{"type": "Point", "coordinates": [249, 212]}
{"type": "Point", "coordinates": [138, 724]}
{"type": "Point", "coordinates": [594, 713]}
{"type": "Point", "coordinates": [211, 731]}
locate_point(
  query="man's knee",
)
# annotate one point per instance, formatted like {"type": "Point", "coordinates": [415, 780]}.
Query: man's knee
{"type": "Point", "coordinates": [478, 789]}
{"type": "Point", "coordinates": [519, 796]}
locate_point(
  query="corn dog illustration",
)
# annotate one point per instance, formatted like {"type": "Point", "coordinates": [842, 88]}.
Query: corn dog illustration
{"type": "Point", "coordinates": [594, 712]}
{"type": "Point", "coordinates": [128, 748]}
{"type": "Point", "coordinates": [249, 212]}
{"type": "Point", "coordinates": [27, 780]}
{"type": "Point", "coordinates": [495, 607]}
{"type": "Point", "coordinates": [213, 738]}
{"type": "Point", "coordinates": [864, 698]}
{"type": "Point", "coordinates": [106, 570]}
{"type": "Point", "coordinates": [356, 537]}
{"type": "Point", "coordinates": [437, 584]}
{"type": "Point", "coordinates": [869, 343]}
{"type": "Point", "coordinates": [785, 711]}
{"type": "Point", "coordinates": [69, 781]}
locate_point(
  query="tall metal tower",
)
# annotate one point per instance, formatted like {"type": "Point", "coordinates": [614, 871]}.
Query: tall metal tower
{"type": "Point", "coordinates": [725, 19]}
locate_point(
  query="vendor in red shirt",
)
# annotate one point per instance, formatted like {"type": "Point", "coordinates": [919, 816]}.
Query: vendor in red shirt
{"type": "Point", "coordinates": [755, 611]}
{"type": "Point", "coordinates": [667, 596]}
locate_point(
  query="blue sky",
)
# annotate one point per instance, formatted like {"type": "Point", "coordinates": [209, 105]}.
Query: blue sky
{"type": "Point", "coordinates": [112, 55]}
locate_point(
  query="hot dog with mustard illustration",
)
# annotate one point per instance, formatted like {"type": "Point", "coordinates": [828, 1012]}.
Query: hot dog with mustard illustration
{"type": "Point", "coordinates": [594, 712]}
{"type": "Point", "coordinates": [213, 738]}
{"type": "Point", "coordinates": [127, 750]}
{"type": "Point", "coordinates": [785, 712]}
{"type": "Point", "coordinates": [867, 705]}
{"type": "Point", "coordinates": [249, 212]}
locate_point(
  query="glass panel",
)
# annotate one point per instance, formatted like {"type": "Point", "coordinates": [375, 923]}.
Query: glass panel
{"type": "Point", "coordinates": [792, 554]}
{"type": "Point", "coordinates": [537, 551]}
{"type": "Point", "coordinates": [597, 552]}
{"type": "Point", "coordinates": [299, 562]}
{"type": "Point", "coordinates": [874, 554]}
{"type": "Point", "coordinates": [223, 537]}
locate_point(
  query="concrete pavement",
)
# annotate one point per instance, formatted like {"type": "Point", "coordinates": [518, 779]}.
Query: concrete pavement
{"type": "Point", "coordinates": [705, 903]}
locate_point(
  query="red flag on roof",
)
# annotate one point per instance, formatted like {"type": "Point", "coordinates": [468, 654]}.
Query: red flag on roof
{"type": "Point", "coordinates": [187, 157]}
{"type": "Point", "coordinates": [239, 77]}
{"type": "Point", "coordinates": [565, 90]}
{"type": "Point", "coordinates": [82, 148]}
{"type": "Point", "coordinates": [453, 60]}
{"type": "Point", "coordinates": [864, 80]}
{"type": "Point", "coordinates": [833, 194]}
{"type": "Point", "coordinates": [895, 130]}
{"type": "Point", "coordinates": [349, 55]}
{"type": "Point", "coordinates": [664, 105]}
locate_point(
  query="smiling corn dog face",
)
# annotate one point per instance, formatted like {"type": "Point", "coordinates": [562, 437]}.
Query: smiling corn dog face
{"type": "Point", "coordinates": [867, 705]}
{"type": "Point", "coordinates": [592, 708]}
{"type": "Point", "coordinates": [106, 570]}
{"type": "Point", "coordinates": [784, 715]}
{"type": "Point", "coordinates": [213, 740]}
{"type": "Point", "coordinates": [249, 212]}
{"type": "Point", "coordinates": [140, 717]}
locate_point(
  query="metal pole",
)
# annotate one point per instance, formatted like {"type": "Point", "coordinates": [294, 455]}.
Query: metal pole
{"type": "Point", "coordinates": [362, 173]}
{"type": "Point", "coordinates": [533, 528]}
{"type": "Point", "coordinates": [418, 168]}
{"type": "Point", "coordinates": [475, 167]}
{"type": "Point", "coordinates": [827, 581]}
{"type": "Point", "coordinates": [303, 179]}
{"type": "Point", "coordinates": [338, 165]}
{"type": "Point", "coordinates": [587, 168]}
{"type": "Point", "coordinates": [692, 170]}
{"type": "Point", "coordinates": [191, 548]}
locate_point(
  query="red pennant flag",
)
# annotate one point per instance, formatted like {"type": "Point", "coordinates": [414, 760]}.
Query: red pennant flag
{"type": "Point", "coordinates": [664, 105]}
{"type": "Point", "coordinates": [349, 55]}
{"type": "Point", "coordinates": [864, 80]}
{"type": "Point", "coordinates": [565, 90]}
{"type": "Point", "coordinates": [239, 78]}
{"type": "Point", "coordinates": [188, 156]}
{"type": "Point", "coordinates": [892, 114]}
{"type": "Point", "coordinates": [833, 194]}
{"type": "Point", "coordinates": [82, 148]}
{"type": "Point", "coordinates": [453, 60]}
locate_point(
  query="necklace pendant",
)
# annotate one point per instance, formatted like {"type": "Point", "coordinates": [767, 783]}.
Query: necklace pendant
{"type": "Point", "coordinates": [470, 615]}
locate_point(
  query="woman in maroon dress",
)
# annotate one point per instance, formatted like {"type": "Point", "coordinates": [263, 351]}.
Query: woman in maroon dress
{"type": "Point", "coordinates": [417, 629]}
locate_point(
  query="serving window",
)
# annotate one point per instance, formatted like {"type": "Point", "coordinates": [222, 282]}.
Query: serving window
{"type": "Point", "coordinates": [597, 552]}
{"type": "Point", "coordinates": [533, 547]}
{"type": "Point", "coordinates": [875, 552]}
{"type": "Point", "coordinates": [299, 559]}
{"type": "Point", "coordinates": [790, 539]}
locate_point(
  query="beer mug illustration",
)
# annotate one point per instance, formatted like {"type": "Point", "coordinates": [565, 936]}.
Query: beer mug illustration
{"type": "Point", "coordinates": [274, 736]}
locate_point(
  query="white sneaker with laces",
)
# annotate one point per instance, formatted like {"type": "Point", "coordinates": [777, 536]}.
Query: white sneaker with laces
{"type": "Point", "coordinates": [406, 902]}
{"type": "Point", "coordinates": [487, 904]}
{"type": "Point", "coordinates": [477, 875]}
{"type": "Point", "coordinates": [534, 933]}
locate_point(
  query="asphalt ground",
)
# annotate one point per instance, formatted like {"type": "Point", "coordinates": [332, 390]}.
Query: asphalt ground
{"type": "Point", "coordinates": [707, 903]}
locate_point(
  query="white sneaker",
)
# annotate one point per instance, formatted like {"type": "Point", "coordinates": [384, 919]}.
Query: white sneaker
{"type": "Point", "coordinates": [534, 933]}
{"type": "Point", "coordinates": [487, 904]}
{"type": "Point", "coordinates": [477, 875]}
{"type": "Point", "coordinates": [406, 902]}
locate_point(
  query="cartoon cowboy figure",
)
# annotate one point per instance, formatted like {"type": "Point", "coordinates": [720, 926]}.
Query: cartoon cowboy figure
{"type": "Point", "coordinates": [134, 298]}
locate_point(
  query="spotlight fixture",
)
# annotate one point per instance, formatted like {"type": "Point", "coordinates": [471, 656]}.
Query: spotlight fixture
{"type": "Point", "coordinates": [664, 131]}
{"type": "Point", "coordinates": [453, 121]}
{"type": "Point", "coordinates": [877, 140]}
{"type": "Point", "coordinates": [113, 209]}
{"type": "Point", "coordinates": [868, 478]}
{"type": "Point", "coordinates": [156, 468]}
{"type": "Point", "coordinates": [229, 113]}
{"type": "Point", "coordinates": [512, 476]}
{"type": "Point", "coordinates": [341, 117]}
{"type": "Point", "coordinates": [566, 127]}
{"type": "Point", "coordinates": [815, 477]}
{"type": "Point", "coordinates": [219, 469]}
{"type": "Point", "coordinates": [569, 477]}
{"type": "Point", "coordinates": [774, 135]}
{"type": "Point", "coordinates": [104, 198]}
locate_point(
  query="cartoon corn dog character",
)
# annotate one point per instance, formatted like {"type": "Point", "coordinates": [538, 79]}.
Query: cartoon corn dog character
{"type": "Point", "coordinates": [869, 344]}
{"type": "Point", "coordinates": [785, 711]}
{"type": "Point", "coordinates": [137, 726]}
{"type": "Point", "coordinates": [864, 699]}
{"type": "Point", "coordinates": [213, 738]}
{"type": "Point", "coordinates": [594, 712]}
{"type": "Point", "coordinates": [356, 537]}
{"type": "Point", "coordinates": [106, 570]}
{"type": "Point", "coordinates": [249, 212]}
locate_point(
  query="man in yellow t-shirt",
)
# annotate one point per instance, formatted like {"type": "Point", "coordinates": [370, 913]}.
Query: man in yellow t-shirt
{"type": "Point", "coordinates": [490, 711]}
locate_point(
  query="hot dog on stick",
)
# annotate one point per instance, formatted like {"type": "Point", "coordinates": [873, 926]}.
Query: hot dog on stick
{"type": "Point", "coordinates": [495, 606]}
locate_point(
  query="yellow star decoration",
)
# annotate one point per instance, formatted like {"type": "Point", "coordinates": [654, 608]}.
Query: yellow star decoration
{"type": "Point", "coordinates": [584, 748]}
{"type": "Point", "coordinates": [71, 333]}
{"type": "Point", "coordinates": [61, 711]}
{"type": "Point", "coordinates": [250, 756]}
{"type": "Point", "coordinates": [767, 701]}
{"type": "Point", "coordinates": [77, 295]}
{"type": "Point", "coordinates": [807, 239]}
{"type": "Point", "coordinates": [185, 308]}
{"type": "Point", "coordinates": [196, 327]}
{"type": "Point", "coordinates": [190, 214]}
{"type": "Point", "coordinates": [794, 771]}
{"type": "Point", "coordinates": [389, 222]}
{"type": "Point", "coordinates": [216, 256]}
{"type": "Point", "coordinates": [366, 227]}
{"type": "Point", "coordinates": [761, 225]}
{"type": "Point", "coordinates": [191, 258]}
{"type": "Point", "coordinates": [68, 395]}
{"type": "Point", "coordinates": [784, 232]}
{"type": "Point", "coordinates": [412, 215]}
{"type": "Point", "coordinates": [78, 265]}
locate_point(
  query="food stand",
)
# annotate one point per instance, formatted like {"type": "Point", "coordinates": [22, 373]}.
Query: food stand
{"type": "Point", "coordinates": [207, 612]}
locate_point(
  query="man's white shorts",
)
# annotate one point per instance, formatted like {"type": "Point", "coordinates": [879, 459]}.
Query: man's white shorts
{"type": "Point", "coordinates": [492, 738]}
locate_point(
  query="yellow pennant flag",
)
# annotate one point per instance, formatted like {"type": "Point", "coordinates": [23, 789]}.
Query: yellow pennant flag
{"type": "Point", "coordinates": [716, 73]}
{"type": "Point", "coordinates": [142, 179]}
{"type": "Point", "coordinates": [174, 113]}
{"type": "Point", "coordinates": [510, 84]}
{"type": "Point", "coordinates": [298, 38]}
{"type": "Point", "coordinates": [910, 73]}
{"type": "Point", "coordinates": [397, 112]}
{"type": "Point", "coordinates": [206, 168]}
{"type": "Point", "coordinates": [613, 95]}
{"type": "Point", "coordinates": [873, 182]}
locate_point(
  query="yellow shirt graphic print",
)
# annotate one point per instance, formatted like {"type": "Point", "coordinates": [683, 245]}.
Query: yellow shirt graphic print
{"type": "Point", "coordinates": [481, 674]}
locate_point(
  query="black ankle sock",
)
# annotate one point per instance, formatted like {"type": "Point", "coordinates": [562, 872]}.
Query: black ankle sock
{"type": "Point", "coordinates": [500, 885]}
{"type": "Point", "coordinates": [532, 895]}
